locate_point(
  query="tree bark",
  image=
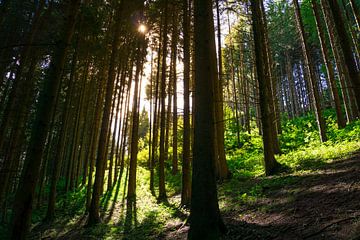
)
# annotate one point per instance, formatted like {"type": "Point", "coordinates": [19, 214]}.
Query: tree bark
{"type": "Point", "coordinates": [232, 73]}
{"type": "Point", "coordinates": [314, 89]}
{"type": "Point", "coordinates": [263, 80]}
{"type": "Point", "coordinates": [174, 86]}
{"type": "Point", "coordinates": [271, 88]}
{"type": "Point", "coordinates": [94, 216]}
{"type": "Point", "coordinates": [25, 195]}
{"type": "Point", "coordinates": [131, 195]}
{"type": "Point", "coordinates": [162, 191]}
{"type": "Point", "coordinates": [205, 219]}
{"type": "Point", "coordinates": [356, 13]}
{"type": "Point", "coordinates": [345, 45]}
{"type": "Point", "coordinates": [222, 168]}
{"type": "Point", "coordinates": [329, 68]}
{"type": "Point", "coordinates": [186, 176]}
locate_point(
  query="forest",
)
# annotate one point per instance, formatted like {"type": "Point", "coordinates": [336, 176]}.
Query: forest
{"type": "Point", "coordinates": [179, 119]}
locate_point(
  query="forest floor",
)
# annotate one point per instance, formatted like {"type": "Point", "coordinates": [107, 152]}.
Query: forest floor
{"type": "Point", "coordinates": [317, 204]}
{"type": "Point", "coordinates": [318, 201]}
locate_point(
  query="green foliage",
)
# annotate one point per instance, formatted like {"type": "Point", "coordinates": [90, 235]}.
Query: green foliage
{"type": "Point", "coordinates": [298, 132]}
{"type": "Point", "coordinates": [247, 160]}
{"type": "Point", "coordinates": [300, 144]}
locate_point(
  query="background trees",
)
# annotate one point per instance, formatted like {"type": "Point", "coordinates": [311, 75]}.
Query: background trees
{"type": "Point", "coordinates": [89, 88]}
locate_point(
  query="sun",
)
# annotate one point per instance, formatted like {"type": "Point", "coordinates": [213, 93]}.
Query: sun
{"type": "Point", "coordinates": [142, 28]}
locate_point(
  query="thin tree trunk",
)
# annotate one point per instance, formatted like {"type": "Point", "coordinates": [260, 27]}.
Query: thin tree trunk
{"type": "Point", "coordinates": [25, 195]}
{"type": "Point", "coordinates": [314, 91]}
{"type": "Point", "coordinates": [131, 194]}
{"type": "Point", "coordinates": [342, 68]}
{"type": "Point", "coordinates": [94, 216]}
{"type": "Point", "coordinates": [174, 88]}
{"type": "Point", "coordinates": [155, 117]}
{"type": "Point", "coordinates": [291, 82]}
{"type": "Point", "coordinates": [271, 88]}
{"type": "Point", "coordinates": [353, 35]}
{"type": "Point", "coordinates": [270, 163]}
{"type": "Point", "coordinates": [329, 68]}
{"type": "Point", "coordinates": [232, 70]}
{"type": "Point", "coordinates": [356, 13]}
{"type": "Point", "coordinates": [345, 45]}
{"type": "Point", "coordinates": [162, 191]}
{"type": "Point", "coordinates": [186, 176]}
{"type": "Point", "coordinates": [222, 168]}
{"type": "Point", "coordinates": [19, 88]}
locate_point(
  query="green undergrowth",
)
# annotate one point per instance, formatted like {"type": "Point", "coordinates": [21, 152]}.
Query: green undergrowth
{"type": "Point", "coordinates": [146, 219]}
{"type": "Point", "coordinates": [303, 155]}
{"type": "Point", "coordinates": [300, 145]}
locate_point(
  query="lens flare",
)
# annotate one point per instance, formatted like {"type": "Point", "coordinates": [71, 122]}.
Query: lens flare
{"type": "Point", "coordinates": [142, 28]}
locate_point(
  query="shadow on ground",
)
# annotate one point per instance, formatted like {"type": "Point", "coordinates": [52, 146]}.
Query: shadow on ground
{"type": "Point", "coordinates": [319, 204]}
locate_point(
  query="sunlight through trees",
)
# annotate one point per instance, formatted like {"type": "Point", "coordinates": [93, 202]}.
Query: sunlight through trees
{"type": "Point", "coordinates": [179, 119]}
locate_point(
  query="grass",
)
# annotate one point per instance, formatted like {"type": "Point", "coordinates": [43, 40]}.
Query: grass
{"type": "Point", "coordinates": [147, 218]}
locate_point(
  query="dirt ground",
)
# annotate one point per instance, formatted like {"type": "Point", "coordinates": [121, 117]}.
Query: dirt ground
{"type": "Point", "coordinates": [322, 204]}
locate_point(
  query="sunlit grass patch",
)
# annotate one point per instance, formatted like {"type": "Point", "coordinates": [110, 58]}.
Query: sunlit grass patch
{"type": "Point", "coordinates": [300, 144]}
{"type": "Point", "coordinates": [310, 158]}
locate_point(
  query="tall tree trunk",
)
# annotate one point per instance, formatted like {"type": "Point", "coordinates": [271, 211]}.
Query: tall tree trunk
{"type": "Point", "coordinates": [339, 60]}
{"type": "Point", "coordinates": [205, 218]}
{"type": "Point", "coordinates": [94, 216]}
{"type": "Point", "coordinates": [329, 68]}
{"type": "Point", "coordinates": [61, 143]}
{"type": "Point", "coordinates": [17, 139]}
{"type": "Point", "coordinates": [291, 81]}
{"type": "Point", "coordinates": [112, 151]}
{"type": "Point", "coordinates": [271, 88]}
{"type": "Point", "coordinates": [345, 45]}
{"type": "Point", "coordinates": [245, 88]}
{"type": "Point", "coordinates": [21, 88]}
{"type": "Point", "coordinates": [174, 87]}
{"type": "Point", "coordinates": [356, 13]}
{"type": "Point", "coordinates": [25, 195]}
{"type": "Point", "coordinates": [151, 114]}
{"type": "Point", "coordinates": [222, 168]}
{"type": "Point", "coordinates": [168, 116]}
{"type": "Point", "coordinates": [155, 121]}
{"type": "Point", "coordinates": [186, 176]}
{"type": "Point", "coordinates": [263, 79]}
{"type": "Point", "coordinates": [314, 89]}
{"type": "Point", "coordinates": [131, 194]}
{"type": "Point", "coordinates": [232, 72]}
{"type": "Point", "coordinates": [353, 34]}
{"type": "Point", "coordinates": [95, 136]}
{"type": "Point", "coordinates": [162, 192]}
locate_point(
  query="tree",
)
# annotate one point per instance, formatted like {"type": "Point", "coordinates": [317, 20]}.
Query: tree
{"type": "Point", "coordinates": [222, 170]}
{"type": "Point", "coordinates": [162, 190]}
{"type": "Point", "coordinates": [186, 178]}
{"type": "Point", "coordinates": [329, 68]}
{"type": "Point", "coordinates": [25, 194]}
{"type": "Point", "coordinates": [314, 92]}
{"type": "Point", "coordinates": [345, 45]}
{"type": "Point", "coordinates": [205, 219]}
{"type": "Point", "coordinates": [347, 93]}
{"type": "Point", "coordinates": [94, 216]}
{"type": "Point", "coordinates": [173, 79]}
{"type": "Point", "coordinates": [271, 164]}
{"type": "Point", "coordinates": [135, 126]}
